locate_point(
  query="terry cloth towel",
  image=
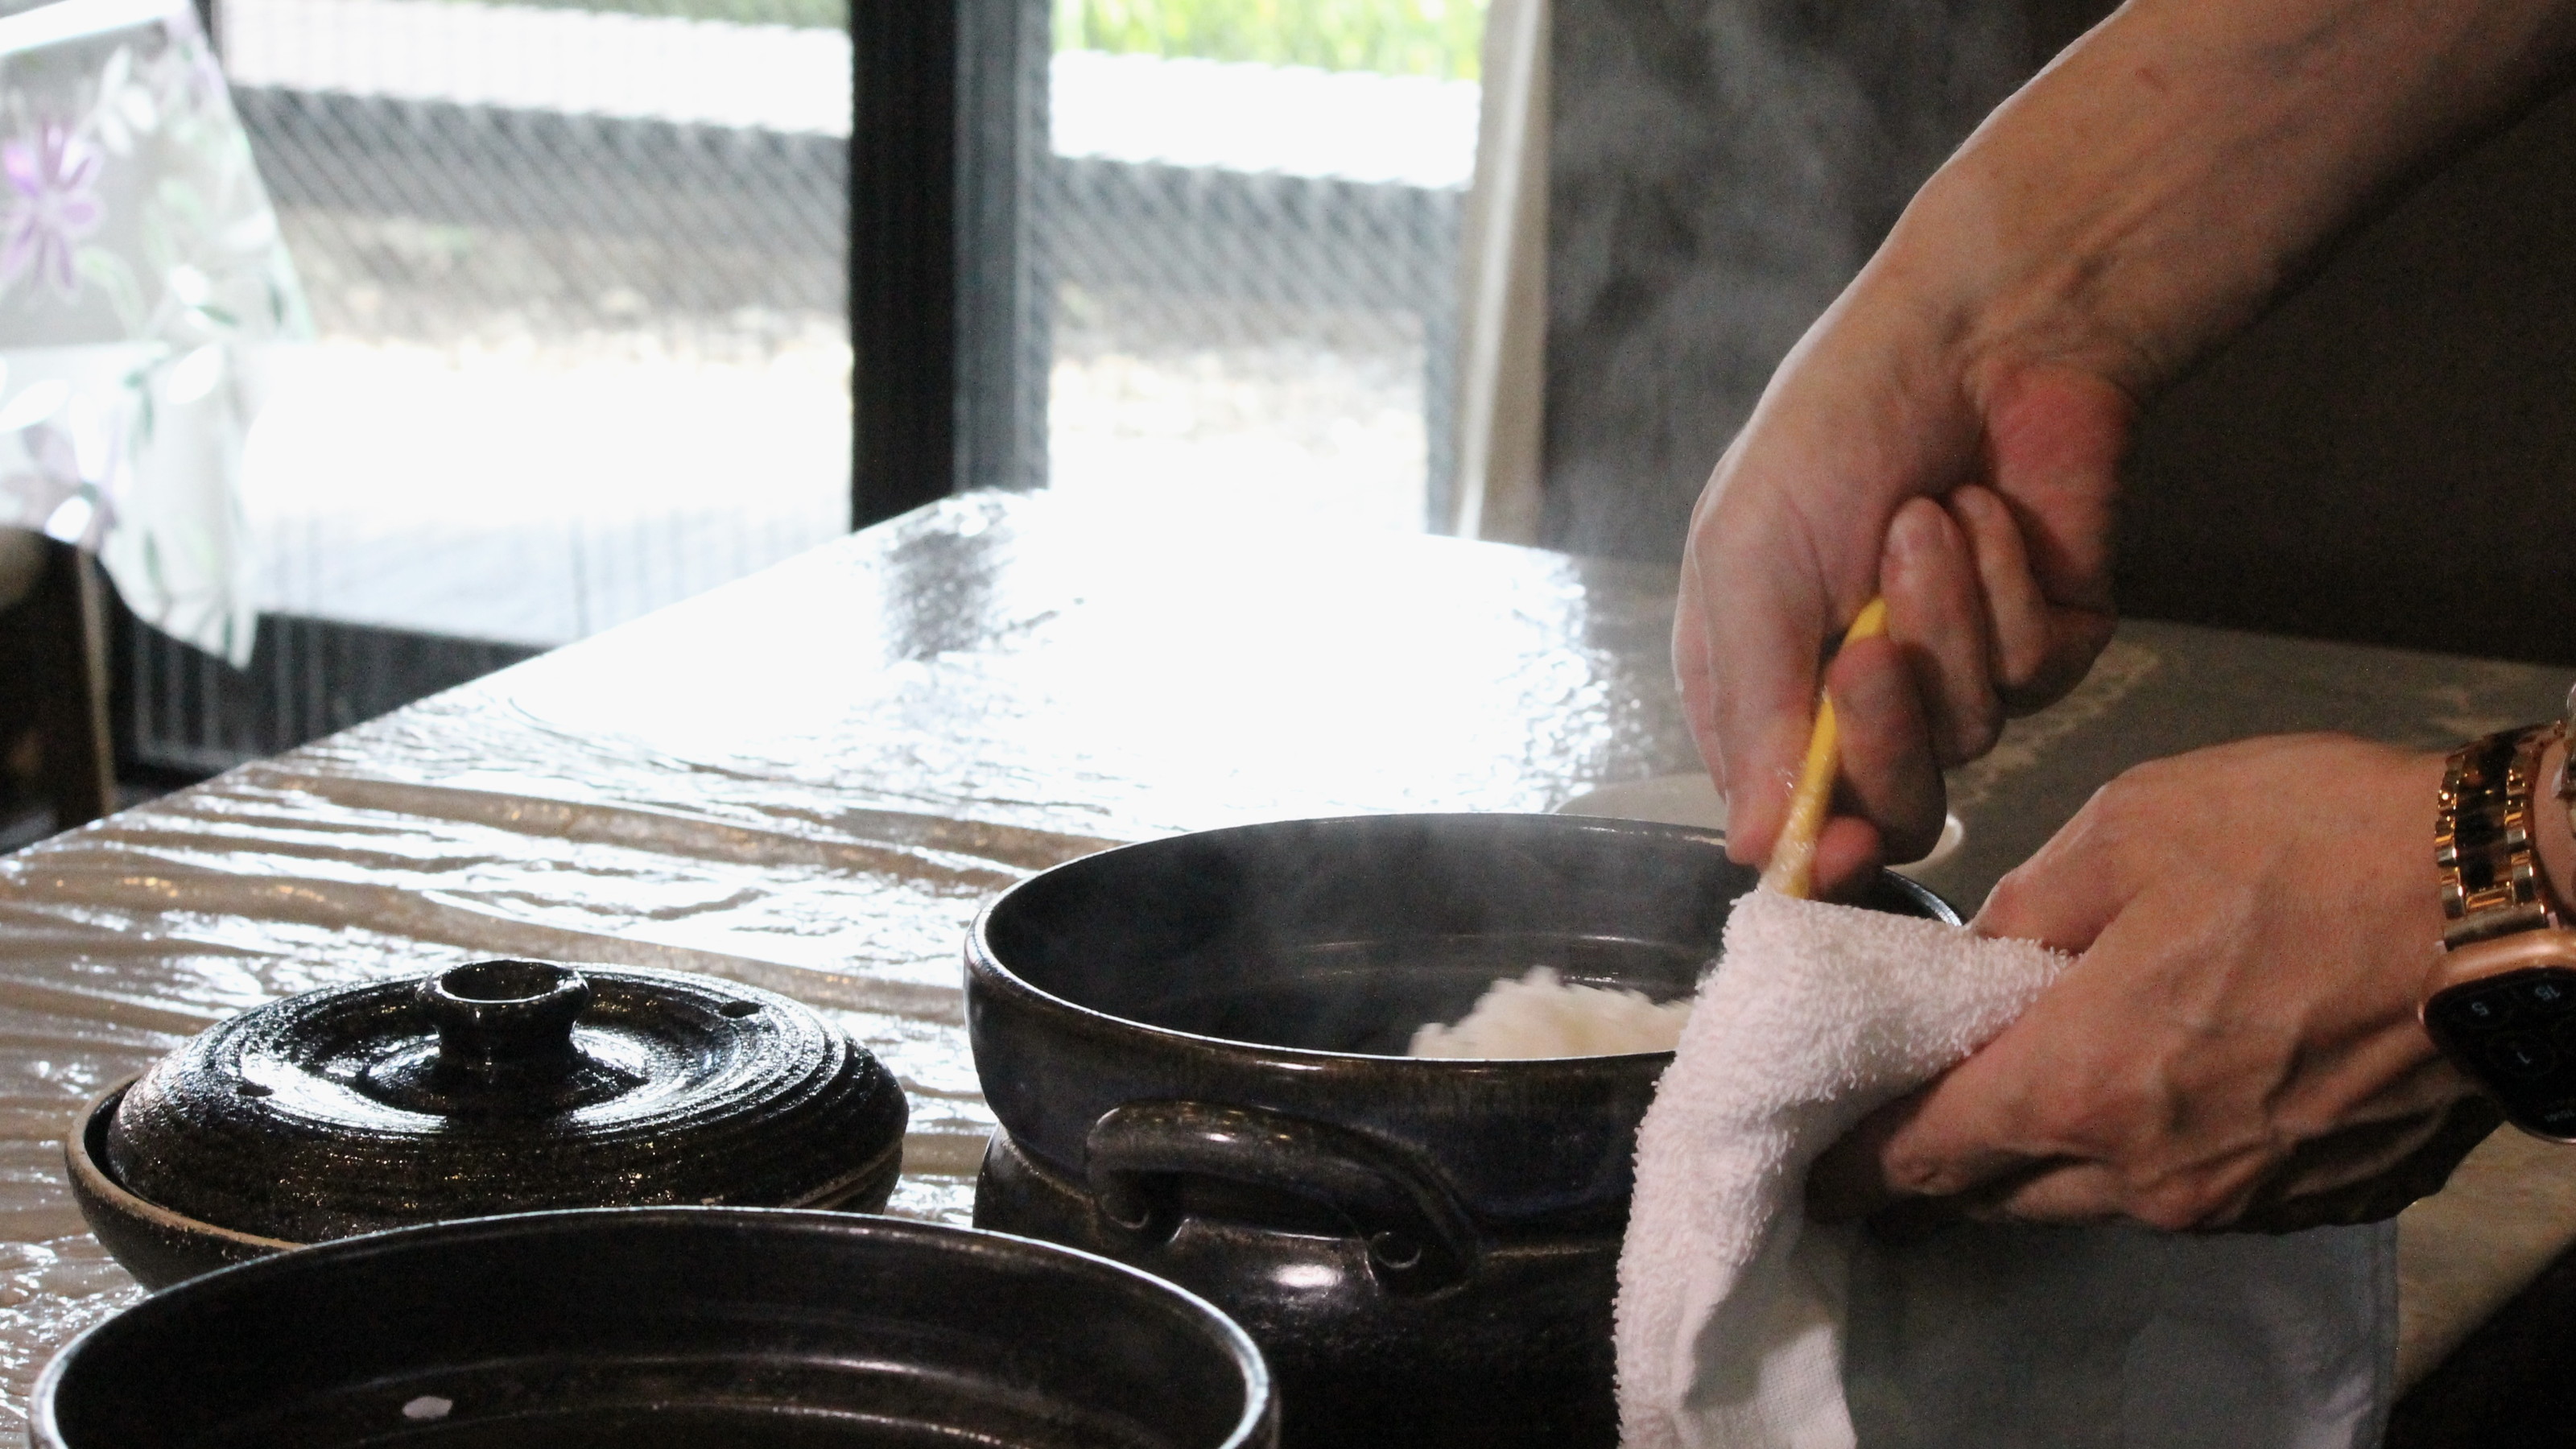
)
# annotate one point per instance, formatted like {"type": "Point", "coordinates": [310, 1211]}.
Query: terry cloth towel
{"type": "Point", "coordinates": [1742, 1326]}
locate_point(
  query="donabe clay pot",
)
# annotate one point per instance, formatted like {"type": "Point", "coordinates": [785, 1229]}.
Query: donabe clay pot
{"type": "Point", "coordinates": [1195, 1047]}
{"type": "Point", "coordinates": [496, 1087]}
{"type": "Point", "coordinates": [657, 1328]}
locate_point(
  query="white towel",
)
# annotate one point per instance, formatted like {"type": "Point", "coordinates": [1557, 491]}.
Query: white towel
{"type": "Point", "coordinates": [1741, 1326]}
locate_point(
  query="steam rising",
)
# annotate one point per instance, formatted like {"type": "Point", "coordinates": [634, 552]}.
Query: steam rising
{"type": "Point", "coordinates": [1719, 172]}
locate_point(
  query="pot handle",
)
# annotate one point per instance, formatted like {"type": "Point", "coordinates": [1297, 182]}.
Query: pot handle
{"type": "Point", "coordinates": [1419, 1238]}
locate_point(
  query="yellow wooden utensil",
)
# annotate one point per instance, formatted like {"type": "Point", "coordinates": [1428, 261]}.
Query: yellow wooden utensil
{"type": "Point", "coordinates": [1792, 871]}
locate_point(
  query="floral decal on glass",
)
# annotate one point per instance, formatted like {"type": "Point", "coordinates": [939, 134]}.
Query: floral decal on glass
{"type": "Point", "coordinates": [53, 205]}
{"type": "Point", "coordinates": [143, 287]}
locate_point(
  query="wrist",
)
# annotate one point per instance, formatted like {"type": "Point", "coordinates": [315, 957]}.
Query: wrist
{"type": "Point", "coordinates": [2553, 840]}
{"type": "Point", "coordinates": [2010, 282]}
{"type": "Point", "coordinates": [2500, 1001]}
{"type": "Point", "coordinates": [2079, 227]}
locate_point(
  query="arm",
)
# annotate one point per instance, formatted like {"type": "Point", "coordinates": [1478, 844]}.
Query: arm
{"type": "Point", "coordinates": [1948, 432]}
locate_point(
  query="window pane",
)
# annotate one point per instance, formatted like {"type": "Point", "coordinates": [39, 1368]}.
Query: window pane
{"type": "Point", "coordinates": [577, 274]}
{"type": "Point", "coordinates": [1249, 226]}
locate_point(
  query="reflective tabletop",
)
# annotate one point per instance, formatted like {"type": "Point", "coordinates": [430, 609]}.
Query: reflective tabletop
{"type": "Point", "coordinates": [811, 778]}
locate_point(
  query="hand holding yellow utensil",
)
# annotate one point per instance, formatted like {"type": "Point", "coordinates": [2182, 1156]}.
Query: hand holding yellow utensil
{"type": "Point", "coordinates": [1792, 870]}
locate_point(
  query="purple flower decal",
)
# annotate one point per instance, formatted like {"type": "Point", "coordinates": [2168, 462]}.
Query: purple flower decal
{"type": "Point", "coordinates": [52, 205]}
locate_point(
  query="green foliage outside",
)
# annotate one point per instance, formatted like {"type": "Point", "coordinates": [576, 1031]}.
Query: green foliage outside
{"type": "Point", "coordinates": [1398, 37]}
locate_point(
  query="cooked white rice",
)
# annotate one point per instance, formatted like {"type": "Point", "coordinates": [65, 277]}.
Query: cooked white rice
{"type": "Point", "coordinates": [1541, 1015]}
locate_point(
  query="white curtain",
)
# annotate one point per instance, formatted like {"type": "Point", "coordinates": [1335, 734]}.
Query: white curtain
{"type": "Point", "coordinates": [1502, 333]}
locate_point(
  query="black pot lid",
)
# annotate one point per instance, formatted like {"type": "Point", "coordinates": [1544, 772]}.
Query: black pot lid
{"type": "Point", "coordinates": [504, 1086]}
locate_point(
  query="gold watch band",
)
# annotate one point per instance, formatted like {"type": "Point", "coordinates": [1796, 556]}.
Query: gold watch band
{"type": "Point", "coordinates": [2482, 838]}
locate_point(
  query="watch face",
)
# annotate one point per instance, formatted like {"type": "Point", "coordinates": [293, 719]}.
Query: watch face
{"type": "Point", "coordinates": [2516, 1033]}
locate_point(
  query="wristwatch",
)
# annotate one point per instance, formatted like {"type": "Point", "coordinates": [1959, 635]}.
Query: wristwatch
{"type": "Point", "coordinates": [2501, 1000]}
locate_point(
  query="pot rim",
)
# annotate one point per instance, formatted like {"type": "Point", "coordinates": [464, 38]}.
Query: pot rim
{"type": "Point", "coordinates": [982, 961]}
{"type": "Point", "coordinates": [87, 1163]}
{"type": "Point", "coordinates": [1260, 1389]}
{"type": "Point", "coordinates": [91, 1173]}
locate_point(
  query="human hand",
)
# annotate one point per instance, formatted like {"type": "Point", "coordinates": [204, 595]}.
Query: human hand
{"type": "Point", "coordinates": [1977, 498]}
{"type": "Point", "coordinates": [2237, 1046]}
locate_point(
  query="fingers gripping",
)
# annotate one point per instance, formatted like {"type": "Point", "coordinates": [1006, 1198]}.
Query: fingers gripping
{"type": "Point", "coordinates": [2042, 532]}
{"type": "Point", "coordinates": [1999, 594]}
{"type": "Point", "coordinates": [2053, 442]}
{"type": "Point", "coordinates": [1890, 775]}
{"type": "Point", "coordinates": [1937, 616]}
{"type": "Point", "coordinates": [1745, 651]}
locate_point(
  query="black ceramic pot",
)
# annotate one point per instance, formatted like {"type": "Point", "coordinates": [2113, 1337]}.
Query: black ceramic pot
{"type": "Point", "coordinates": [1196, 1046]}
{"type": "Point", "coordinates": [500, 1086]}
{"type": "Point", "coordinates": [656, 1328]}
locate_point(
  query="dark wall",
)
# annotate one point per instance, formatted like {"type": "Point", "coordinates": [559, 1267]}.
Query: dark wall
{"type": "Point", "coordinates": [2389, 456]}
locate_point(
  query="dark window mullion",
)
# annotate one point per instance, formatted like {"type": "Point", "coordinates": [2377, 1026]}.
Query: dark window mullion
{"type": "Point", "coordinates": [948, 316]}
{"type": "Point", "coordinates": [903, 255]}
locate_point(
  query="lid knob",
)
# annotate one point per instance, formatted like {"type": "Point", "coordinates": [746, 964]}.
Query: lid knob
{"type": "Point", "coordinates": [506, 1022]}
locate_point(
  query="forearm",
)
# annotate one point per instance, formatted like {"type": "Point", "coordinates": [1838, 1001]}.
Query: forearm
{"type": "Point", "coordinates": [2158, 186]}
